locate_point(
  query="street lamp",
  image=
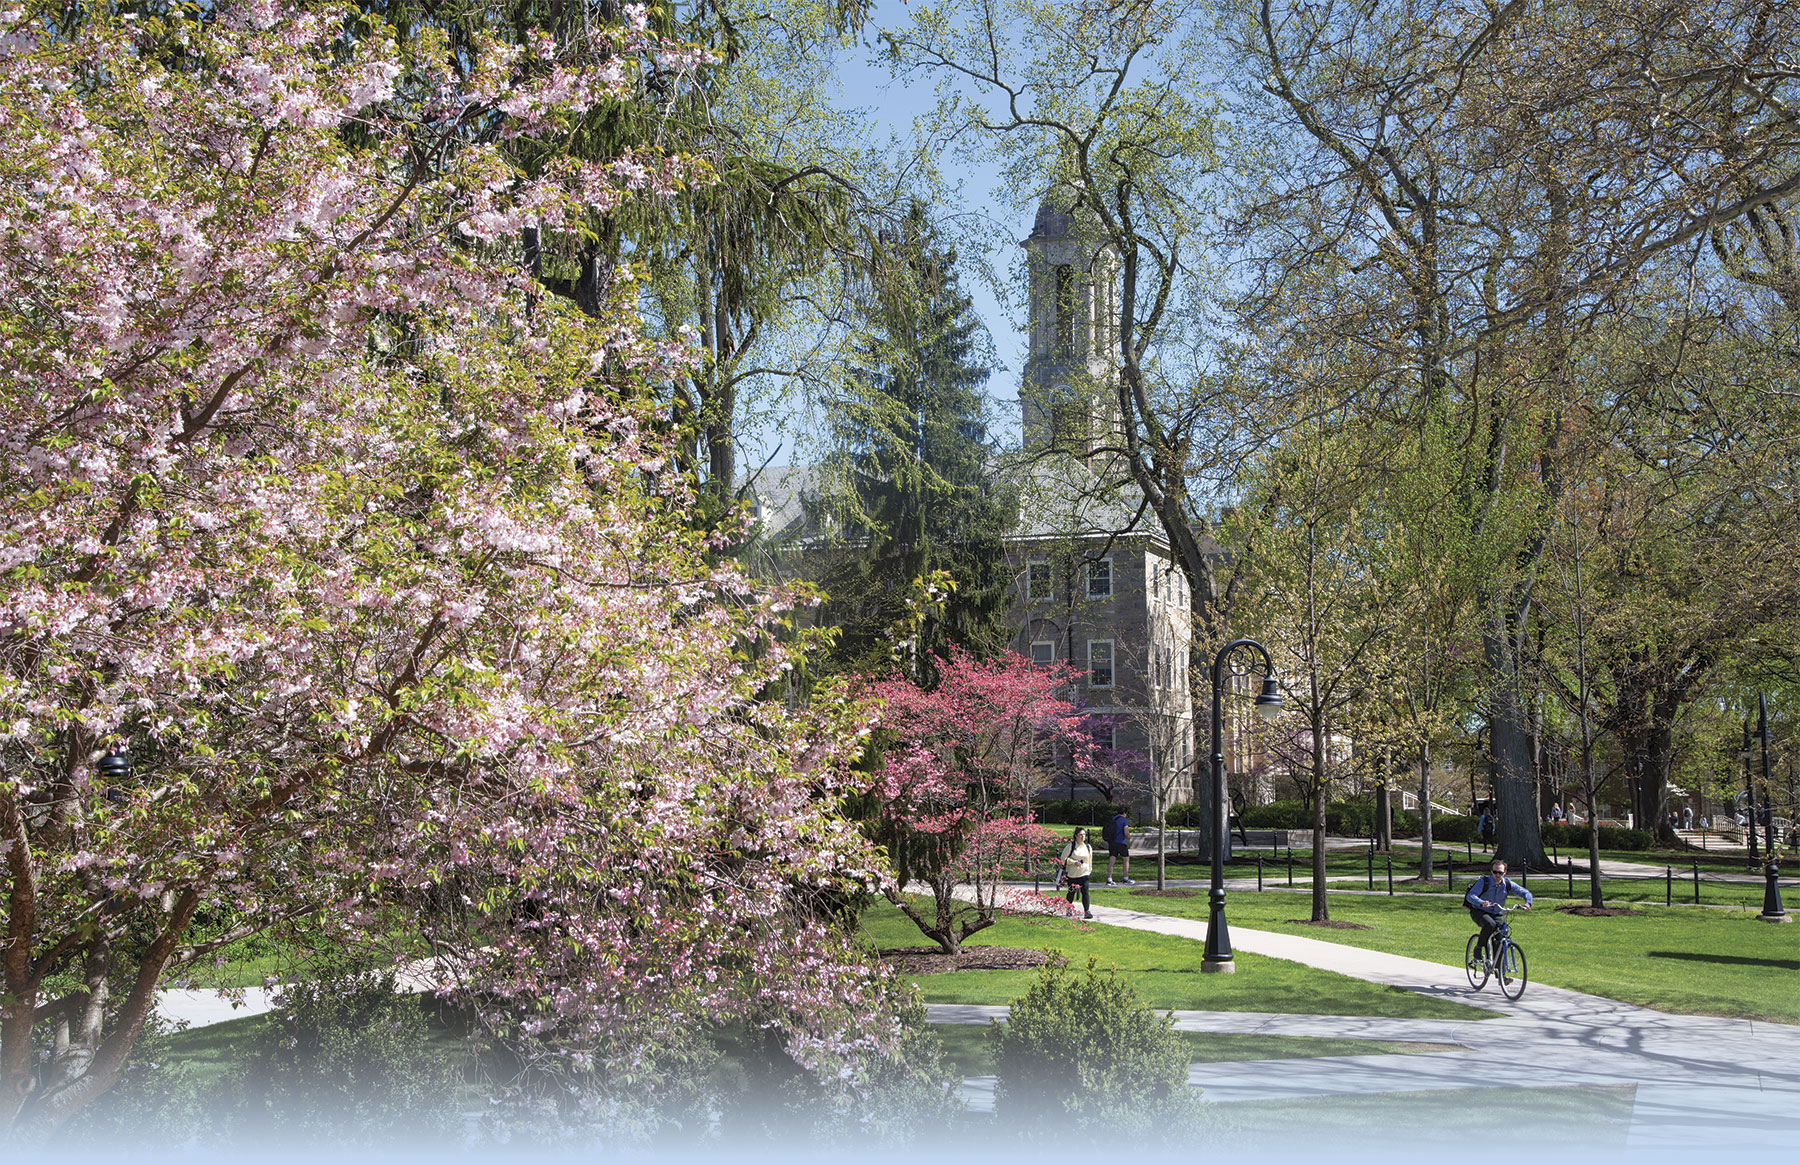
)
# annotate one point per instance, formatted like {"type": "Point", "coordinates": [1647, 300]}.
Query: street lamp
{"type": "Point", "coordinates": [115, 765]}
{"type": "Point", "coordinates": [1773, 910]}
{"type": "Point", "coordinates": [1749, 790]}
{"type": "Point", "coordinates": [1268, 706]}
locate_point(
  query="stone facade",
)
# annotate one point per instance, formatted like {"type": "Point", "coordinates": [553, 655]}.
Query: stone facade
{"type": "Point", "coordinates": [1096, 586]}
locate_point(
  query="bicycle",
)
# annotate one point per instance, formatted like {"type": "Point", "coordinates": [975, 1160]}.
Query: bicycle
{"type": "Point", "coordinates": [1503, 959]}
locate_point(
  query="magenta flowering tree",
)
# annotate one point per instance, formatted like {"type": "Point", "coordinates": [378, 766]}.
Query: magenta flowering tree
{"type": "Point", "coordinates": [951, 801]}
{"type": "Point", "coordinates": [367, 554]}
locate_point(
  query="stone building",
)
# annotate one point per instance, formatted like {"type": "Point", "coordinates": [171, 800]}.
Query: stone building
{"type": "Point", "coordinates": [1096, 586]}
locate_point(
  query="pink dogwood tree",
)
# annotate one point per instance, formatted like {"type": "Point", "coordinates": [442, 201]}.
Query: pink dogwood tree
{"type": "Point", "coordinates": [371, 559]}
{"type": "Point", "coordinates": [951, 802]}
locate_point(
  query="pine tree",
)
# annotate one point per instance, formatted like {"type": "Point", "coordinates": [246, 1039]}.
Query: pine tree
{"type": "Point", "coordinates": [911, 485]}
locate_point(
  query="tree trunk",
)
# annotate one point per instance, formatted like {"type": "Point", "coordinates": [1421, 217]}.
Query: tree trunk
{"type": "Point", "coordinates": [1425, 862]}
{"type": "Point", "coordinates": [1517, 842]}
{"type": "Point", "coordinates": [1321, 909]}
{"type": "Point", "coordinates": [1384, 809]}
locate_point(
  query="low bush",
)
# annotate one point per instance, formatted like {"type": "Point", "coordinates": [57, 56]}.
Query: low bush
{"type": "Point", "coordinates": [347, 1061]}
{"type": "Point", "coordinates": [1452, 827]}
{"type": "Point", "coordinates": [1275, 815]}
{"type": "Point", "coordinates": [1185, 815]}
{"type": "Point", "coordinates": [1082, 1060]}
{"type": "Point", "coordinates": [1089, 813]}
{"type": "Point", "coordinates": [159, 1100]}
{"type": "Point", "coordinates": [1612, 837]}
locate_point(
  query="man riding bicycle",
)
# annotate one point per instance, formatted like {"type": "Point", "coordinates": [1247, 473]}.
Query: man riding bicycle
{"type": "Point", "coordinates": [1486, 900]}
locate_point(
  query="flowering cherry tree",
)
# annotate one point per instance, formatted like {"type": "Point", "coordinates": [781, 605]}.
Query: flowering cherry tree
{"type": "Point", "coordinates": [368, 556]}
{"type": "Point", "coordinates": [951, 803]}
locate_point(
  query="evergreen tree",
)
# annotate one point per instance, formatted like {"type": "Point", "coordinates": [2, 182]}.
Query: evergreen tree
{"type": "Point", "coordinates": [910, 481]}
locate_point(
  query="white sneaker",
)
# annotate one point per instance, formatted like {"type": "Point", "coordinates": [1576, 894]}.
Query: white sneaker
{"type": "Point", "coordinates": [1109, 881]}
{"type": "Point", "coordinates": [1131, 881]}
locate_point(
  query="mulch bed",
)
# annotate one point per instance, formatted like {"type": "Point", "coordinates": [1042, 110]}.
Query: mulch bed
{"type": "Point", "coordinates": [1596, 911]}
{"type": "Point", "coordinates": [1333, 923]}
{"type": "Point", "coordinates": [933, 960]}
{"type": "Point", "coordinates": [1172, 893]}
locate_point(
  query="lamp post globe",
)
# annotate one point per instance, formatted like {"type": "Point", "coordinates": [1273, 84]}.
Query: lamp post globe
{"type": "Point", "coordinates": [1218, 956]}
{"type": "Point", "coordinates": [115, 765]}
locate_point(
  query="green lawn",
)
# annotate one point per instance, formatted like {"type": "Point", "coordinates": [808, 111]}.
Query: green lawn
{"type": "Point", "coordinates": [1165, 971]}
{"type": "Point", "coordinates": [970, 1051]}
{"type": "Point", "coordinates": [216, 1048]}
{"type": "Point", "coordinates": [1687, 959]}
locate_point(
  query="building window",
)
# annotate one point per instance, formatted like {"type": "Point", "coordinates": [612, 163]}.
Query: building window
{"type": "Point", "coordinates": [1099, 578]}
{"type": "Point", "coordinates": [1037, 581]}
{"type": "Point", "coordinates": [1100, 663]}
{"type": "Point", "coordinates": [1105, 737]}
{"type": "Point", "coordinates": [1043, 652]}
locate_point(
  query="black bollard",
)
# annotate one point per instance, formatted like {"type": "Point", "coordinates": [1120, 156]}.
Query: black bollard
{"type": "Point", "coordinates": [1773, 910]}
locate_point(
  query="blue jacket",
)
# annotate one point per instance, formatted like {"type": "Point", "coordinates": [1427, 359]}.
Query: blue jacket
{"type": "Point", "coordinates": [1489, 889]}
{"type": "Point", "coordinates": [1118, 829]}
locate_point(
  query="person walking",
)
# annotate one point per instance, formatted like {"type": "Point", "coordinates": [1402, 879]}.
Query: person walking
{"type": "Point", "coordinates": [1687, 817]}
{"type": "Point", "coordinates": [1118, 845]}
{"type": "Point", "coordinates": [1078, 868]}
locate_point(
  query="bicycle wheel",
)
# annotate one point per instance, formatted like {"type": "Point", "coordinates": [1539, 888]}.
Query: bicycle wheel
{"type": "Point", "coordinates": [1512, 971]}
{"type": "Point", "coordinates": [1475, 963]}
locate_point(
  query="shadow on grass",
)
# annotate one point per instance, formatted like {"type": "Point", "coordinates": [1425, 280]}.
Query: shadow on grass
{"type": "Point", "coordinates": [1735, 960]}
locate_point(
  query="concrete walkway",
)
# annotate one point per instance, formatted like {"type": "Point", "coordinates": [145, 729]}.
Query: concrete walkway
{"type": "Point", "coordinates": [1700, 1082]}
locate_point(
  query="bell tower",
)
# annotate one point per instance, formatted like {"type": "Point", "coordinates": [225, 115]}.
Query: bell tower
{"type": "Point", "coordinates": [1073, 310]}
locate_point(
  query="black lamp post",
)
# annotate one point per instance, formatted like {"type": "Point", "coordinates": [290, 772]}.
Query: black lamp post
{"type": "Point", "coordinates": [115, 769]}
{"type": "Point", "coordinates": [1773, 910]}
{"type": "Point", "coordinates": [1749, 791]}
{"type": "Point", "coordinates": [1268, 706]}
{"type": "Point", "coordinates": [115, 765]}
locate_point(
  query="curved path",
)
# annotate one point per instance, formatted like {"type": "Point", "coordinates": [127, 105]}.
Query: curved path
{"type": "Point", "coordinates": [1700, 1081]}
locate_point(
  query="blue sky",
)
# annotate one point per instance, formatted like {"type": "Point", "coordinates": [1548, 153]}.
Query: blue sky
{"type": "Point", "coordinates": [892, 105]}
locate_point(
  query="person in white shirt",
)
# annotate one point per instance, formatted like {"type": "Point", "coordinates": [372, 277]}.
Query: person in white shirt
{"type": "Point", "coordinates": [1078, 867]}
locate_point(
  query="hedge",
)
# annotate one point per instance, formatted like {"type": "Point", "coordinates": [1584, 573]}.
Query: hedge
{"type": "Point", "coordinates": [1357, 819]}
{"type": "Point", "coordinates": [1185, 815]}
{"type": "Point", "coordinates": [1050, 811]}
{"type": "Point", "coordinates": [1615, 837]}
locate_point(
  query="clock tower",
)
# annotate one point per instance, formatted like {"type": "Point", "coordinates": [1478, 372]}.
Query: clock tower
{"type": "Point", "coordinates": [1073, 308]}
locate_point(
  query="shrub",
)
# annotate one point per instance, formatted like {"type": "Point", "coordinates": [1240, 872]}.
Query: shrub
{"type": "Point", "coordinates": [1082, 1058]}
{"type": "Point", "coordinates": [1611, 837]}
{"type": "Point", "coordinates": [1275, 815]}
{"type": "Point", "coordinates": [1452, 827]}
{"type": "Point", "coordinates": [1049, 811]}
{"type": "Point", "coordinates": [159, 1100]}
{"type": "Point", "coordinates": [347, 1060]}
{"type": "Point", "coordinates": [1185, 815]}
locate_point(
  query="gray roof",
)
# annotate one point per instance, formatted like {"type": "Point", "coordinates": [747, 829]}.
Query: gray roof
{"type": "Point", "coordinates": [1059, 498]}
